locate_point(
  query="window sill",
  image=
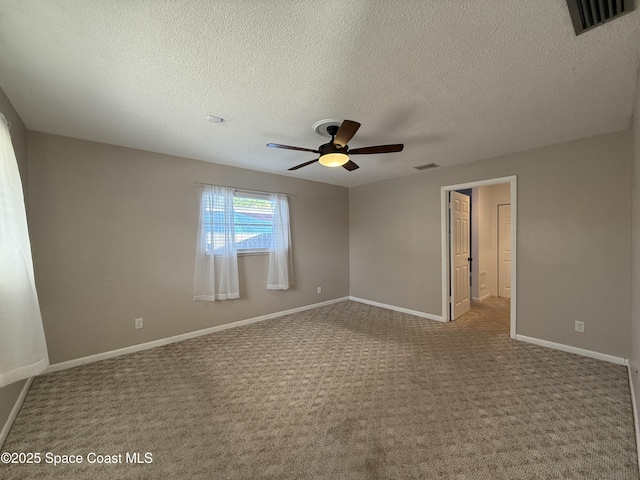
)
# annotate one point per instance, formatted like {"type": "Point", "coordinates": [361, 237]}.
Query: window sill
{"type": "Point", "coordinates": [252, 253]}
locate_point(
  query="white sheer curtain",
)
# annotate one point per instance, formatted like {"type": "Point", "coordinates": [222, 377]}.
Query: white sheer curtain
{"type": "Point", "coordinates": [216, 257]}
{"type": "Point", "coordinates": [280, 274]}
{"type": "Point", "coordinates": [23, 350]}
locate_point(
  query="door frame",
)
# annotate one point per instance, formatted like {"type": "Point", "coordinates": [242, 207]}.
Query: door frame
{"type": "Point", "coordinates": [498, 276]}
{"type": "Point", "coordinates": [444, 248]}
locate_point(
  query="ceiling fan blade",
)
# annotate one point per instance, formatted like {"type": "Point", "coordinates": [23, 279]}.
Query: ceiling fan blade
{"type": "Point", "coordinates": [304, 164]}
{"type": "Point", "coordinates": [350, 165]}
{"type": "Point", "coordinates": [346, 132]}
{"type": "Point", "coordinates": [288, 147]}
{"type": "Point", "coordinates": [377, 149]}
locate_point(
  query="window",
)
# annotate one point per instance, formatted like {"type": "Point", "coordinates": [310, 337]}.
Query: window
{"type": "Point", "coordinates": [233, 222]}
{"type": "Point", "coordinates": [252, 218]}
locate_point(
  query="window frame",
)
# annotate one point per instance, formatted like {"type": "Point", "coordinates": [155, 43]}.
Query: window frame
{"type": "Point", "coordinates": [254, 196]}
{"type": "Point", "coordinates": [239, 194]}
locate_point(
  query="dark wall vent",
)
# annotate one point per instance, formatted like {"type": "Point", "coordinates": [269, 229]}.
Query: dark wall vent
{"type": "Point", "coordinates": [426, 167]}
{"type": "Point", "coordinates": [588, 14]}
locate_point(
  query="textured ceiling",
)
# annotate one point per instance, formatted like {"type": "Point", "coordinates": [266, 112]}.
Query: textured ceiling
{"type": "Point", "coordinates": [454, 81]}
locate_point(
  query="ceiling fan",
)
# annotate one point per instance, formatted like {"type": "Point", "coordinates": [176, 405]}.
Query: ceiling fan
{"type": "Point", "coordinates": [336, 152]}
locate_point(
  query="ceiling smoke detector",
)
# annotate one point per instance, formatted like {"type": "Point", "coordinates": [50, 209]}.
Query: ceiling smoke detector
{"type": "Point", "coordinates": [426, 166]}
{"type": "Point", "coordinates": [215, 118]}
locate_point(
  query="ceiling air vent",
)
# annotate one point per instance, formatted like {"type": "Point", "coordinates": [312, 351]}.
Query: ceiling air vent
{"type": "Point", "coordinates": [588, 14]}
{"type": "Point", "coordinates": [426, 167]}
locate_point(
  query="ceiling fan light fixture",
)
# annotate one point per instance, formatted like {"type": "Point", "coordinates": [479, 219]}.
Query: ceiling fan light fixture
{"type": "Point", "coordinates": [336, 152]}
{"type": "Point", "coordinates": [334, 159]}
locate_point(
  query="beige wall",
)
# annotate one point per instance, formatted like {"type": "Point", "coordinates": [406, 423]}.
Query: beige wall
{"type": "Point", "coordinates": [635, 262]}
{"type": "Point", "coordinates": [114, 236]}
{"type": "Point", "coordinates": [10, 393]}
{"type": "Point", "coordinates": [573, 239]}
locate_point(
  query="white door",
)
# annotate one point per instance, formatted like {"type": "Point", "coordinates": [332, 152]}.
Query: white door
{"type": "Point", "coordinates": [504, 251]}
{"type": "Point", "coordinates": [460, 253]}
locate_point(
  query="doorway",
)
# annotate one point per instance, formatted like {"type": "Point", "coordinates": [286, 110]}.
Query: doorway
{"type": "Point", "coordinates": [456, 260]}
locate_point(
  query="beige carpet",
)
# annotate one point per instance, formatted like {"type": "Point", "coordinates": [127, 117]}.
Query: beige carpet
{"type": "Point", "coordinates": [346, 391]}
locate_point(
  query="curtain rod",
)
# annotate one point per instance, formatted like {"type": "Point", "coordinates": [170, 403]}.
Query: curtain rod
{"type": "Point", "coordinates": [244, 190]}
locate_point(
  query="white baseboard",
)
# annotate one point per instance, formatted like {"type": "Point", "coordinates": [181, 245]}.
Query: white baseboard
{"type": "Point", "coordinates": [636, 425]}
{"type": "Point", "coordinates": [14, 411]}
{"type": "Point", "coordinates": [568, 348]}
{"type": "Point", "coordinates": [185, 336]}
{"type": "Point", "coordinates": [482, 298]}
{"type": "Point", "coordinates": [437, 318]}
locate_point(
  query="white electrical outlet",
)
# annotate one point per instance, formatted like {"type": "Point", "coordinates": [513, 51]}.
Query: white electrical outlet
{"type": "Point", "coordinates": [319, 290]}
{"type": "Point", "coordinates": [579, 326]}
{"type": "Point", "coordinates": [138, 323]}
